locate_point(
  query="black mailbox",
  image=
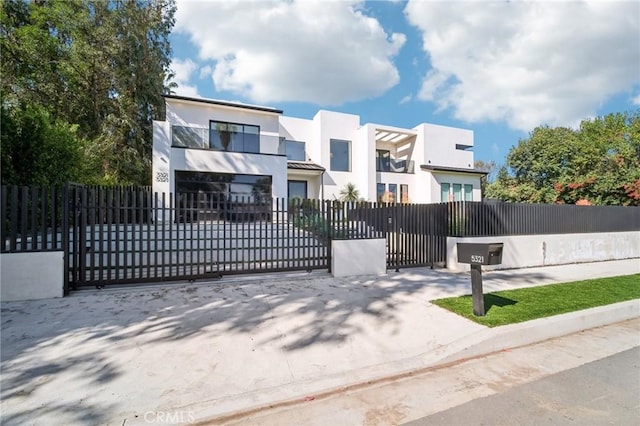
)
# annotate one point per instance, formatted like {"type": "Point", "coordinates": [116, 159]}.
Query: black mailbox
{"type": "Point", "coordinates": [480, 254]}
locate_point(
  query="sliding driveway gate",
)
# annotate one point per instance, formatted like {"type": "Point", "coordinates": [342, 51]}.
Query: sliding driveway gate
{"type": "Point", "coordinates": [119, 235]}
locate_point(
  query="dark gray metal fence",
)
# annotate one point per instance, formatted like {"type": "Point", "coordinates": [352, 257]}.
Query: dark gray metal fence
{"type": "Point", "coordinates": [416, 233]}
{"type": "Point", "coordinates": [32, 218]}
{"type": "Point", "coordinates": [471, 219]}
{"type": "Point", "coordinates": [129, 234]}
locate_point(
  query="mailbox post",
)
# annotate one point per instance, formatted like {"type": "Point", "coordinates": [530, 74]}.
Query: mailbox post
{"type": "Point", "coordinates": [478, 254]}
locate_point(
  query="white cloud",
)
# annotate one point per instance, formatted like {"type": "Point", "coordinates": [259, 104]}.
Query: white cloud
{"type": "Point", "coordinates": [636, 100]}
{"type": "Point", "coordinates": [183, 69]}
{"type": "Point", "coordinates": [527, 63]}
{"type": "Point", "coordinates": [311, 51]}
{"type": "Point", "coordinates": [406, 99]}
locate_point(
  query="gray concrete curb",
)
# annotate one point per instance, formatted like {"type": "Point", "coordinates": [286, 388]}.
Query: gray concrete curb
{"type": "Point", "coordinates": [485, 342]}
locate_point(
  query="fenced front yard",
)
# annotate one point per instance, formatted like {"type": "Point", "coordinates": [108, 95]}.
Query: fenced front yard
{"type": "Point", "coordinates": [115, 235]}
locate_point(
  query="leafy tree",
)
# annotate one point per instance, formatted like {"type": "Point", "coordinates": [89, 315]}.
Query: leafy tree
{"type": "Point", "coordinates": [486, 166]}
{"type": "Point", "coordinates": [98, 65]}
{"type": "Point", "coordinates": [599, 163]}
{"type": "Point", "coordinates": [38, 150]}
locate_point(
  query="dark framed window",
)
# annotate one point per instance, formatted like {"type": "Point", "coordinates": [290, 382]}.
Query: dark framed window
{"type": "Point", "coordinates": [444, 192]}
{"type": "Point", "coordinates": [234, 137]}
{"type": "Point", "coordinates": [225, 186]}
{"type": "Point", "coordinates": [380, 189]}
{"type": "Point", "coordinates": [404, 193]}
{"type": "Point", "coordinates": [297, 189]}
{"type": "Point", "coordinates": [468, 192]}
{"type": "Point", "coordinates": [295, 150]}
{"type": "Point", "coordinates": [457, 192]}
{"type": "Point", "coordinates": [393, 193]}
{"type": "Point", "coordinates": [383, 160]}
{"type": "Point", "coordinates": [340, 155]}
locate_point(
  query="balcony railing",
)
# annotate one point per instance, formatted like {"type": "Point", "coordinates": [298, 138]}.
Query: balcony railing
{"type": "Point", "coordinates": [216, 140]}
{"type": "Point", "coordinates": [189, 137]}
{"type": "Point", "coordinates": [391, 165]}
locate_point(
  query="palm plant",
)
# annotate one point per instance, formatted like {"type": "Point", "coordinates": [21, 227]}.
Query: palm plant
{"type": "Point", "coordinates": [349, 193]}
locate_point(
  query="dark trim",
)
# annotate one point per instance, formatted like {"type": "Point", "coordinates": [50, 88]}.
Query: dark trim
{"type": "Point", "coordinates": [430, 168]}
{"type": "Point", "coordinates": [302, 165]}
{"type": "Point", "coordinates": [223, 103]}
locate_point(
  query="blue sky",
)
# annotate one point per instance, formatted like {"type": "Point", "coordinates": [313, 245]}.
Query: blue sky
{"type": "Point", "coordinates": [497, 68]}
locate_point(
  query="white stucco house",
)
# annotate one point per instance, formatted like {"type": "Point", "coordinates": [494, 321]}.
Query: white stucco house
{"type": "Point", "coordinates": [240, 150]}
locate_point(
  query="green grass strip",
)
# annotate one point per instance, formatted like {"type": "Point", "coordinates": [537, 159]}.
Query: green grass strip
{"type": "Point", "coordinates": [524, 304]}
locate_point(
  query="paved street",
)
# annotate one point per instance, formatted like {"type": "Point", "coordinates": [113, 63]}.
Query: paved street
{"type": "Point", "coordinates": [591, 377]}
{"type": "Point", "coordinates": [604, 392]}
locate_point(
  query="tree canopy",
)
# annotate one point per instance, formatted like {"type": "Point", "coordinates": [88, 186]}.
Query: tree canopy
{"type": "Point", "coordinates": [92, 69]}
{"type": "Point", "coordinates": [598, 163]}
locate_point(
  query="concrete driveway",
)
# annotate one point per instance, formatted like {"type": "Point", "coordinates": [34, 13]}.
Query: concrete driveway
{"type": "Point", "coordinates": [191, 351]}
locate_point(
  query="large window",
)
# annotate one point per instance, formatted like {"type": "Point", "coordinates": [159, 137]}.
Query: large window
{"type": "Point", "coordinates": [295, 150]}
{"type": "Point", "coordinates": [234, 137]}
{"type": "Point", "coordinates": [225, 186]}
{"type": "Point", "coordinates": [340, 155]}
{"type": "Point", "coordinates": [383, 160]}
{"type": "Point", "coordinates": [456, 192]}
{"type": "Point", "coordinates": [297, 189]}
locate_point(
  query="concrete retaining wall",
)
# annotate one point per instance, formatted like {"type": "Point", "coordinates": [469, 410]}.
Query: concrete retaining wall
{"type": "Point", "coordinates": [358, 257]}
{"type": "Point", "coordinates": [26, 276]}
{"type": "Point", "coordinates": [543, 250]}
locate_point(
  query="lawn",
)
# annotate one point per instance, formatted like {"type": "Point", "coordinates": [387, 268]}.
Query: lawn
{"type": "Point", "coordinates": [524, 304]}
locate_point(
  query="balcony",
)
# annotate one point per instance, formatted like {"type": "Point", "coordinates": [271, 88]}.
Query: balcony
{"type": "Point", "coordinates": [391, 165]}
{"type": "Point", "coordinates": [224, 137]}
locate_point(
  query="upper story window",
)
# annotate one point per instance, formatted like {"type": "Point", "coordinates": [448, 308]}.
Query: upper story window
{"type": "Point", "coordinates": [295, 150]}
{"type": "Point", "coordinates": [234, 137]}
{"type": "Point", "coordinates": [340, 155]}
{"type": "Point", "coordinates": [383, 160]}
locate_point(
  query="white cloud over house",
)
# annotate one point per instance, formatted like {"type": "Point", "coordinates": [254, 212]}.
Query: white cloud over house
{"type": "Point", "coordinates": [327, 53]}
{"type": "Point", "coordinates": [183, 69]}
{"type": "Point", "coordinates": [527, 63]}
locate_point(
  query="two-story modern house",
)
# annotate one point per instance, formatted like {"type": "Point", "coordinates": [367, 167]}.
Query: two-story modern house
{"type": "Point", "coordinates": [231, 151]}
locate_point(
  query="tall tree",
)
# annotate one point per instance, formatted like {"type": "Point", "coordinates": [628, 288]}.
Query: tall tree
{"type": "Point", "coordinates": [599, 163]}
{"type": "Point", "coordinates": [99, 65]}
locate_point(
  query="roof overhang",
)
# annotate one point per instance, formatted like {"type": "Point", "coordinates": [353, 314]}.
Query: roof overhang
{"type": "Point", "coordinates": [224, 103]}
{"type": "Point", "coordinates": [442, 169]}
{"type": "Point", "coordinates": [305, 167]}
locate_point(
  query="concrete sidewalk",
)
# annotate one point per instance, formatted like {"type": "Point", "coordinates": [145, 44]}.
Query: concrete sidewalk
{"type": "Point", "coordinates": [195, 351]}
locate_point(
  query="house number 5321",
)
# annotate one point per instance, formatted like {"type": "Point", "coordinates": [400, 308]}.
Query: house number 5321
{"type": "Point", "coordinates": [475, 258]}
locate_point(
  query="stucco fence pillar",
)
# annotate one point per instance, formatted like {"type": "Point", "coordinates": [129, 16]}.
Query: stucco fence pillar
{"type": "Point", "coordinates": [28, 276]}
{"type": "Point", "coordinates": [358, 257]}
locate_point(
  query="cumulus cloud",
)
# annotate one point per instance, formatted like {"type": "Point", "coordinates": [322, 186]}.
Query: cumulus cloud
{"type": "Point", "coordinates": [183, 69]}
{"type": "Point", "coordinates": [527, 63]}
{"type": "Point", "coordinates": [310, 51]}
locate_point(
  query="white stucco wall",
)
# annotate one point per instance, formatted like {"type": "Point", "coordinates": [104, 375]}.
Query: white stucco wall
{"type": "Point", "coordinates": [358, 257]}
{"type": "Point", "coordinates": [544, 250]}
{"type": "Point", "coordinates": [440, 146]}
{"type": "Point", "coordinates": [27, 276]}
{"type": "Point", "coordinates": [335, 125]}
